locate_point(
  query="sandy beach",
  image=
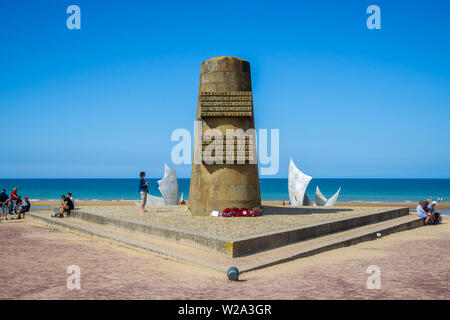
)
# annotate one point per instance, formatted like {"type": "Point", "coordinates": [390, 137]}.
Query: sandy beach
{"type": "Point", "coordinates": [410, 205]}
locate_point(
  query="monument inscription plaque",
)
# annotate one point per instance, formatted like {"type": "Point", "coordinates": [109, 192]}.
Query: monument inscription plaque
{"type": "Point", "coordinates": [226, 175]}
{"type": "Point", "coordinates": [227, 104]}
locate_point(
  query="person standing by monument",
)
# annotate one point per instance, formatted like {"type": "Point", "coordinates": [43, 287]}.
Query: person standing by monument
{"type": "Point", "coordinates": [143, 190]}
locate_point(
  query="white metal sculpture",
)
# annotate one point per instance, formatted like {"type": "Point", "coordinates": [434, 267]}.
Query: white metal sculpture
{"type": "Point", "coordinates": [332, 201]}
{"type": "Point", "coordinates": [297, 184]}
{"type": "Point", "coordinates": [168, 186]}
{"type": "Point", "coordinates": [320, 199]}
{"type": "Point", "coordinates": [153, 201]}
{"type": "Point", "coordinates": [307, 201]}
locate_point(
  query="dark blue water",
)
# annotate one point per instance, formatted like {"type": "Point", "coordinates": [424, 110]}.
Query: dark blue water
{"type": "Point", "coordinates": [373, 190]}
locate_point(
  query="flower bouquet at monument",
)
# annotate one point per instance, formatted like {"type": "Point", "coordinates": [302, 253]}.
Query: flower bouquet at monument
{"type": "Point", "coordinates": [255, 212]}
{"type": "Point", "coordinates": [242, 212]}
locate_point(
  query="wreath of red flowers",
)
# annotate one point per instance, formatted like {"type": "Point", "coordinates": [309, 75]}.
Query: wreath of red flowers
{"type": "Point", "coordinates": [227, 212]}
{"type": "Point", "coordinates": [236, 212]}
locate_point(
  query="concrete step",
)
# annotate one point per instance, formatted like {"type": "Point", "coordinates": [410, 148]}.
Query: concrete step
{"type": "Point", "coordinates": [271, 240]}
{"type": "Point", "coordinates": [242, 246]}
{"type": "Point", "coordinates": [190, 252]}
{"type": "Point", "coordinates": [176, 250]}
{"type": "Point", "coordinates": [328, 242]}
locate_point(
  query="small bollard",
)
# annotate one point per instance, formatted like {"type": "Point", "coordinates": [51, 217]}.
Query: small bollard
{"type": "Point", "coordinates": [233, 274]}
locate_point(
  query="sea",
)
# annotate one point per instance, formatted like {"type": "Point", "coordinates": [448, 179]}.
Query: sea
{"type": "Point", "coordinates": [352, 190]}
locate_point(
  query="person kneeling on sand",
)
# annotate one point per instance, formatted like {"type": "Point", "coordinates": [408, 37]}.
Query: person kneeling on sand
{"type": "Point", "coordinates": [23, 208]}
{"type": "Point", "coordinates": [423, 214]}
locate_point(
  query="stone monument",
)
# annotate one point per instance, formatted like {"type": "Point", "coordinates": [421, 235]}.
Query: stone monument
{"type": "Point", "coordinates": [225, 169]}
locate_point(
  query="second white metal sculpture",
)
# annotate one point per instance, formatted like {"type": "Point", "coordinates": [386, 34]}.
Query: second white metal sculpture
{"type": "Point", "coordinates": [297, 184]}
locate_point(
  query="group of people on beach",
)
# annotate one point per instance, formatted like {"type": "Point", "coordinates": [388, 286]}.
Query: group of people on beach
{"type": "Point", "coordinates": [13, 205]}
{"type": "Point", "coordinates": [427, 210]}
{"type": "Point", "coordinates": [66, 206]}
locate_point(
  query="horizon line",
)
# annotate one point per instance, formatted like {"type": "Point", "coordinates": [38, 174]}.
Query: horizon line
{"type": "Point", "coordinates": [87, 178]}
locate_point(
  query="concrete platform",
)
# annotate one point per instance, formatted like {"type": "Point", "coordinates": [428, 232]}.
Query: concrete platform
{"type": "Point", "coordinates": [191, 252]}
{"type": "Point", "coordinates": [237, 246]}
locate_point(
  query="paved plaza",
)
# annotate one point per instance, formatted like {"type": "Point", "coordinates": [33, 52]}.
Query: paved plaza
{"type": "Point", "coordinates": [34, 258]}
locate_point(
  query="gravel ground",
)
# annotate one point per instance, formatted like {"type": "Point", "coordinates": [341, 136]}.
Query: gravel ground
{"type": "Point", "coordinates": [179, 217]}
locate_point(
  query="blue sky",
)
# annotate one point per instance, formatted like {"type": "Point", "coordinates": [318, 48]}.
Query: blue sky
{"type": "Point", "coordinates": [103, 101]}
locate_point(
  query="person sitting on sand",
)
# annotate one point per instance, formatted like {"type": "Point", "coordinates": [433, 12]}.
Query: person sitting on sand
{"type": "Point", "coordinates": [58, 213]}
{"type": "Point", "coordinates": [69, 205]}
{"type": "Point", "coordinates": [69, 195]}
{"type": "Point", "coordinates": [23, 207]}
{"type": "Point", "coordinates": [436, 214]}
{"type": "Point", "coordinates": [4, 201]}
{"type": "Point", "coordinates": [143, 190]}
{"type": "Point", "coordinates": [423, 214]}
{"type": "Point", "coordinates": [66, 206]}
{"type": "Point", "coordinates": [17, 205]}
{"type": "Point", "coordinates": [426, 206]}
